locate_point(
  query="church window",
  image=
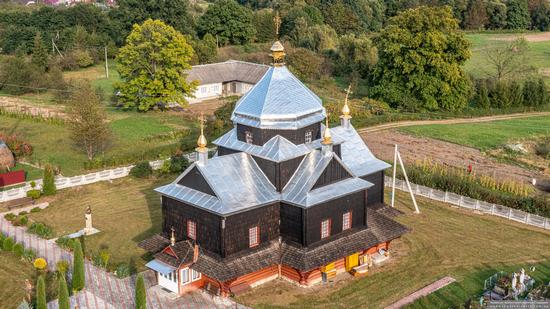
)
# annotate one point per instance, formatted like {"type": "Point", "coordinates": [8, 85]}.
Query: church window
{"type": "Point", "coordinates": [191, 229]}
{"type": "Point", "coordinates": [309, 137]}
{"type": "Point", "coordinates": [325, 228]}
{"type": "Point", "coordinates": [249, 137]}
{"type": "Point", "coordinates": [253, 236]}
{"type": "Point", "coordinates": [346, 221]}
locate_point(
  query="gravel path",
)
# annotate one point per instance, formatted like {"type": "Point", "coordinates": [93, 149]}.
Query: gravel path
{"type": "Point", "coordinates": [427, 290]}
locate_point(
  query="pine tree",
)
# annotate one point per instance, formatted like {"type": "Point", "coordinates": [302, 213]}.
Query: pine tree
{"type": "Point", "coordinates": [544, 97]}
{"type": "Point", "coordinates": [48, 185]}
{"type": "Point", "coordinates": [141, 296]}
{"type": "Point", "coordinates": [530, 93]}
{"type": "Point", "coordinates": [41, 293]}
{"type": "Point", "coordinates": [78, 267]}
{"type": "Point", "coordinates": [39, 53]}
{"type": "Point", "coordinates": [516, 93]}
{"type": "Point", "coordinates": [482, 96]}
{"type": "Point", "coordinates": [63, 294]}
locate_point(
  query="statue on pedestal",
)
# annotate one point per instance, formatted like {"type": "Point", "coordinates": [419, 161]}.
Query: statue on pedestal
{"type": "Point", "coordinates": [89, 228]}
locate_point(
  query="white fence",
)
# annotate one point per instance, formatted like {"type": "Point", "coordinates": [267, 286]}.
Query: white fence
{"type": "Point", "coordinates": [67, 182]}
{"type": "Point", "coordinates": [477, 205]}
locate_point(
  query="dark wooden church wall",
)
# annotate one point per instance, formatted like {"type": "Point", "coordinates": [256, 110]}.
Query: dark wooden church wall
{"type": "Point", "coordinates": [237, 225]}
{"type": "Point", "coordinates": [337, 149]}
{"type": "Point", "coordinates": [335, 210]}
{"type": "Point", "coordinates": [222, 151]}
{"type": "Point", "coordinates": [175, 214]}
{"type": "Point", "coordinates": [195, 180]}
{"type": "Point", "coordinates": [287, 170]}
{"type": "Point", "coordinates": [332, 173]}
{"type": "Point", "coordinates": [278, 173]}
{"type": "Point", "coordinates": [291, 223]}
{"type": "Point", "coordinates": [262, 136]}
{"type": "Point", "coordinates": [375, 193]}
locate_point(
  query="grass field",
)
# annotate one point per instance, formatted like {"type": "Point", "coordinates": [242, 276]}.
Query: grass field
{"type": "Point", "coordinates": [443, 242]}
{"type": "Point", "coordinates": [52, 143]}
{"type": "Point", "coordinates": [13, 273]}
{"type": "Point", "coordinates": [538, 54]}
{"type": "Point", "coordinates": [126, 211]}
{"type": "Point", "coordinates": [485, 135]}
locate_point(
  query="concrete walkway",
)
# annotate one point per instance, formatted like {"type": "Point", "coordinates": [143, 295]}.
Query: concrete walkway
{"type": "Point", "coordinates": [427, 290]}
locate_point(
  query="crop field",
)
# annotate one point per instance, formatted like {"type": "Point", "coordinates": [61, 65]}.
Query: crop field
{"type": "Point", "coordinates": [486, 135]}
{"type": "Point", "coordinates": [538, 55]}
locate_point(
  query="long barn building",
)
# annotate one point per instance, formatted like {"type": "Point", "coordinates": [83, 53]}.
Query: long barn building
{"type": "Point", "coordinates": [284, 197]}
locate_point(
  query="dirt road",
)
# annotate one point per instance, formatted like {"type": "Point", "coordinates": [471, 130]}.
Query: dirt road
{"type": "Point", "coordinates": [399, 124]}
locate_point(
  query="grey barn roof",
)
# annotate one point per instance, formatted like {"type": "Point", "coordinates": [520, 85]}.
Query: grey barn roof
{"type": "Point", "coordinates": [230, 70]}
{"type": "Point", "coordinates": [277, 149]}
{"type": "Point", "coordinates": [279, 101]}
{"type": "Point", "coordinates": [355, 153]}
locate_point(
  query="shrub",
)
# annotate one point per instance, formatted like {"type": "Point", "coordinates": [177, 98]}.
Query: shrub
{"type": "Point", "coordinates": [83, 58]}
{"type": "Point", "coordinates": [48, 187]}
{"type": "Point", "coordinates": [10, 217]}
{"type": "Point", "coordinates": [40, 264]}
{"type": "Point", "coordinates": [34, 194]}
{"type": "Point", "coordinates": [543, 148]}
{"type": "Point", "coordinates": [21, 221]}
{"type": "Point", "coordinates": [124, 270]}
{"type": "Point", "coordinates": [141, 170]}
{"type": "Point", "coordinates": [7, 244]}
{"type": "Point", "coordinates": [41, 230]}
{"type": "Point", "coordinates": [29, 255]}
{"type": "Point", "coordinates": [178, 163]}
{"type": "Point", "coordinates": [19, 147]}
{"type": "Point", "coordinates": [18, 250]}
{"type": "Point", "coordinates": [36, 209]}
{"type": "Point", "coordinates": [62, 267]}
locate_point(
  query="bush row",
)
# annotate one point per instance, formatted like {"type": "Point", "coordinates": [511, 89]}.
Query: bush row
{"type": "Point", "coordinates": [8, 244]}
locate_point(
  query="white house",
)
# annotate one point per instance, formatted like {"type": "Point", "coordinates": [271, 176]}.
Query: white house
{"type": "Point", "coordinates": [225, 78]}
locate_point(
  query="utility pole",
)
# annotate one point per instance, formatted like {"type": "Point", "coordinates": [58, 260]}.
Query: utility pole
{"type": "Point", "coordinates": [106, 63]}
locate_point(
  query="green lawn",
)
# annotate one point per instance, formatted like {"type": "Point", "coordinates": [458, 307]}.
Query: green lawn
{"type": "Point", "coordinates": [52, 143]}
{"type": "Point", "coordinates": [538, 55]}
{"type": "Point", "coordinates": [126, 211]}
{"type": "Point", "coordinates": [13, 272]}
{"type": "Point", "coordinates": [484, 135]}
{"type": "Point", "coordinates": [443, 242]}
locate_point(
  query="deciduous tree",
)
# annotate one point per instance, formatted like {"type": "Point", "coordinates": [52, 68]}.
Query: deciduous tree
{"type": "Point", "coordinates": [508, 59]}
{"type": "Point", "coordinates": [153, 65]}
{"type": "Point", "coordinates": [88, 120]}
{"type": "Point", "coordinates": [420, 56]}
{"type": "Point", "coordinates": [229, 21]}
{"type": "Point", "coordinates": [517, 14]}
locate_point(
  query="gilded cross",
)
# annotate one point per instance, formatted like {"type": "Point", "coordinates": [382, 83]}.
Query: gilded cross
{"type": "Point", "coordinates": [202, 121]}
{"type": "Point", "coordinates": [277, 21]}
{"type": "Point", "coordinates": [348, 92]}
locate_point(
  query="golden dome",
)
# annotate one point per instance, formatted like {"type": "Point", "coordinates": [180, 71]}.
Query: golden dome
{"type": "Point", "coordinates": [278, 54]}
{"type": "Point", "coordinates": [327, 137]}
{"type": "Point", "coordinates": [201, 141]}
{"type": "Point", "coordinates": [346, 111]}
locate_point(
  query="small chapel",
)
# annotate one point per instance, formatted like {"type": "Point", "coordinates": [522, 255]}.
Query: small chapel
{"type": "Point", "coordinates": [285, 196]}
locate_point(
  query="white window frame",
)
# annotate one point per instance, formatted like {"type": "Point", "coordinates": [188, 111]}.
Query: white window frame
{"type": "Point", "coordinates": [186, 278]}
{"type": "Point", "coordinates": [253, 231]}
{"type": "Point", "coordinates": [193, 273]}
{"type": "Point", "coordinates": [346, 220]}
{"type": "Point", "coordinates": [325, 228]}
{"type": "Point", "coordinates": [248, 137]}
{"type": "Point", "coordinates": [192, 231]}
{"type": "Point", "coordinates": [309, 137]}
{"type": "Point", "coordinates": [204, 89]}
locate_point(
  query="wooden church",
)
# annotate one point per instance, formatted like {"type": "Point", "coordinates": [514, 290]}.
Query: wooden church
{"type": "Point", "coordinates": [284, 197]}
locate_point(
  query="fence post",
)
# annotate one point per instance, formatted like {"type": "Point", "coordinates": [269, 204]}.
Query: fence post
{"type": "Point", "coordinates": [493, 209]}
{"type": "Point", "coordinates": [476, 207]}
{"type": "Point", "coordinates": [509, 213]}
{"type": "Point", "coordinates": [460, 202]}
{"type": "Point", "coordinates": [446, 196]}
{"type": "Point", "coordinates": [527, 218]}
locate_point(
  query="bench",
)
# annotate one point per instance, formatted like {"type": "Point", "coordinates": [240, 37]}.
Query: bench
{"type": "Point", "coordinates": [19, 203]}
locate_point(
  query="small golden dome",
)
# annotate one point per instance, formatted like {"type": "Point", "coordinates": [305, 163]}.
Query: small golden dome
{"type": "Point", "coordinates": [201, 141]}
{"type": "Point", "coordinates": [278, 54]}
{"type": "Point", "coordinates": [346, 111]}
{"type": "Point", "coordinates": [327, 137]}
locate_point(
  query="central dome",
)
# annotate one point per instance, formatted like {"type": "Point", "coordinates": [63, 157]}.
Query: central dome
{"type": "Point", "coordinates": [279, 101]}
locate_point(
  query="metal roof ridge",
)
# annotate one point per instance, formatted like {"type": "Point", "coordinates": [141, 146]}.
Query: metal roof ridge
{"type": "Point", "coordinates": [246, 95]}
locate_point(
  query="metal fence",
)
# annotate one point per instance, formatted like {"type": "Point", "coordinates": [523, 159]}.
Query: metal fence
{"type": "Point", "coordinates": [67, 182]}
{"type": "Point", "coordinates": [473, 204]}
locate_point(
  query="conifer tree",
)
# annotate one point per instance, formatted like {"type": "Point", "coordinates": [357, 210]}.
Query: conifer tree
{"type": "Point", "coordinates": [78, 267]}
{"type": "Point", "coordinates": [39, 53]}
{"type": "Point", "coordinates": [63, 294]}
{"type": "Point", "coordinates": [141, 296]}
{"type": "Point", "coordinates": [48, 185]}
{"type": "Point", "coordinates": [482, 96]}
{"type": "Point", "coordinates": [41, 293]}
{"type": "Point", "coordinates": [544, 97]}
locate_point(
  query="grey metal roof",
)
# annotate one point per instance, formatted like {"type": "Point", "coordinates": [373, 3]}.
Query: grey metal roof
{"type": "Point", "coordinates": [277, 149]}
{"type": "Point", "coordinates": [299, 188]}
{"type": "Point", "coordinates": [279, 101]}
{"type": "Point", "coordinates": [236, 180]}
{"type": "Point", "coordinates": [227, 71]}
{"type": "Point", "coordinates": [355, 153]}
